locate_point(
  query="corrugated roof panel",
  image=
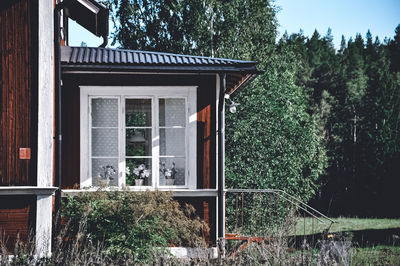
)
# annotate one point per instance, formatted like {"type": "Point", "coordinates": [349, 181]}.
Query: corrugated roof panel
{"type": "Point", "coordinates": [154, 59]}
{"type": "Point", "coordinates": [111, 56]}
{"type": "Point", "coordinates": [160, 59]}
{"type": "Point", "coordinates": [142, 59]}
{"type": "Point", "coordinates": [135, 58]}
{"type": "Point", "coordinates": [239, 72]}
{"type": "Point", "coordinates": [74, 54]}
{"type": "Point", "coordinates": [79, 57]}
{"type": "Point", "coordinates": [98, 56]}
{"type": "Point", "coordinates": [118, 56]}
{"type": "Point", "coordinates": [115, 56]}
{"type": "Point", "coordinates": [167, 59]}
{"type": "Point", "coordinates": [174, 59]}
{"type": "Point", "coordinates": [86, 56]}
{"type": "Point", "coordinates": [92, 58]}
{"type": "Point", "coordinates": [185, 60]}
{"type": "Point", "coordinates": [147, 58]}
{"type": "Point", "coordinates": [129, 57]}
{"type": "Point", "coordinates": [105, 56]}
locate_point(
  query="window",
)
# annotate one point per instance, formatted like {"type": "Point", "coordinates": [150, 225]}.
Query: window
{"type": "Point", "coordinates": [141, 137]}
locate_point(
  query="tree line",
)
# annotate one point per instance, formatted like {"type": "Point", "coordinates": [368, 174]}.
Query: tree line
{"type": "Point", "coordinates": [320, 123]}
{"type": "Point", "coordinates": [356, 93]}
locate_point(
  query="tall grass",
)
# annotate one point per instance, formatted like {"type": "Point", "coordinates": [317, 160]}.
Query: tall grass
{"type": "Point", "coordinates": [74, 243]}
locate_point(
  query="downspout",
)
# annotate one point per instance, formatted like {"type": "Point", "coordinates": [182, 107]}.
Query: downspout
{"type": "Point", "coordinates": [221, 157]}
{"type": "Point", "coordinates": [57, 58]}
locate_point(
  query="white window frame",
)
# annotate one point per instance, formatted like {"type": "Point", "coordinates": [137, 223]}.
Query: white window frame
{"type": "Point", "coordinates": [135, 92]}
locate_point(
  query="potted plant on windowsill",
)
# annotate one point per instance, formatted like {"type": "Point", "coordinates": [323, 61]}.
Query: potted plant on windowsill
{"type": "Point", "coordinates": [106, 177]}
{"type": "Point", "coordinates": [139, 173]}
{"type": "Point", "coordinates": [169, 174]}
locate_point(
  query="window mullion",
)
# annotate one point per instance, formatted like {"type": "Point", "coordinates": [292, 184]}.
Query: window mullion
{"type": "Point", "coordinates": [89, 142]}
{"type": "Point", "coordinates": [122, 159]}
{"type": "Point", "coordinates": [187, 173]}
{"type": "Point", "coordinates": [155, 142]}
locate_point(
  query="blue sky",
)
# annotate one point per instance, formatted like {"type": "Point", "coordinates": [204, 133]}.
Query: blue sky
{"type": "Point", "coordinates": [343, 17]}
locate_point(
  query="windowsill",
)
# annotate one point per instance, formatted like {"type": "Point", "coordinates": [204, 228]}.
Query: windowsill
{"type": "Point", "coordinates": [26, 190]}
{"type": "Point", "coordinates": [178, 192]}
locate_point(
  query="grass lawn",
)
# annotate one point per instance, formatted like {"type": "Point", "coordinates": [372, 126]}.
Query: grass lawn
{"type": "Point", "coordinates": [379, 255]}
{"type": "Point", "coordinates": [345, 224]}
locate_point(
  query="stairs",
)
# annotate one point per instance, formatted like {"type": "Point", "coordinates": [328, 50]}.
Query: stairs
{"type": "Point", "coordinates": [264, 215]}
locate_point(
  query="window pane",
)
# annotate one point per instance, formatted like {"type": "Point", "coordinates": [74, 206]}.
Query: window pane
{"type": "Point", "coordinates": [105, 172]}
{"type": "Point", "coordinates": [138, 142]}
{"type": "Point", "coordinates": [172, 112]}
{"type": "Point", "coordinates": [138, 112]}
{"type": "Point", "coordinates": [172, 168]}
{"type": "Point", "coordinates": [104, 112]}
{"type": "Point", "coordinates": [138, 167]}
{"type": "Point", "coordinates": [172, 141]}
{"type": "Point", "coordinates": [105, 142]}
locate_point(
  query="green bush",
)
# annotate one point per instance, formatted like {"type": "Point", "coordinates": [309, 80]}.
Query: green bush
{"type": "Point", "coordinates": [132, 223]}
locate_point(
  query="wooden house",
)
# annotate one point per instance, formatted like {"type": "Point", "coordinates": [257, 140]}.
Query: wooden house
{"type": "Point", "coordinates": [74, 118]}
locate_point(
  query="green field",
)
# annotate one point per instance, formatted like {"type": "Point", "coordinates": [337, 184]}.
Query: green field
{"type": "Point", "coordinates": [379, 255]}
{"type": "Point", "coordinates": [375, 255]}
{"type": "Point", "coordinates": [344, 224]}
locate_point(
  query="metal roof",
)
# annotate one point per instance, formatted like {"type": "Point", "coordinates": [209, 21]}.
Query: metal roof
{"type": "Point", "coordinates": [106, 59]}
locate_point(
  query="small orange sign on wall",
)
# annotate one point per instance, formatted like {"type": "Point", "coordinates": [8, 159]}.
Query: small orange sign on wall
{"type": "Point", "coordinates": [25, 153]}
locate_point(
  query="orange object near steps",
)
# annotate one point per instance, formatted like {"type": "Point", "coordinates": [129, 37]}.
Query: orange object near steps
{"type": "Point", "coordinates": [246, 240]}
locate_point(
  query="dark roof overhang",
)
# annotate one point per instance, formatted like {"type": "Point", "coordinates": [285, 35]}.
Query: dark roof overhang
{"type": "Point", "coordinates": [90, 14]}
{"type": "Point", "coordinates": [85, 59]}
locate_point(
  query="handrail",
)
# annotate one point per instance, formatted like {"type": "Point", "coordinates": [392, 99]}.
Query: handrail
{"type": "Point", "coordinates": [286, 197]}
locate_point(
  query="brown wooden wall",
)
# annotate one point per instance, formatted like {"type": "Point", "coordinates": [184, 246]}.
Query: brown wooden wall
{"type": "Point", "coordinates": [17, 96]}
{"type": "Point", "coordinates": [17, 218]}
{"type": "Point", "coordinates": [206, 116]}
{"type": "Point", "coordinates": [207, 211]}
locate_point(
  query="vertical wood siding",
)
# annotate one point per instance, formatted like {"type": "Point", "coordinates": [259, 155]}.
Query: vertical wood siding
{"type": "Point", "coordinates": [15, 94]}
{"type": "Point", "coordinates": [206, 136]}
{"type": "Point", "coordinates": [71, 137]}
{"type": "Point", "coordinates": [17, 216]}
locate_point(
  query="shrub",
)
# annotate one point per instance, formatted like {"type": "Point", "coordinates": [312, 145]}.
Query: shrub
{"type": "Point", "coordinates": [132, 224]}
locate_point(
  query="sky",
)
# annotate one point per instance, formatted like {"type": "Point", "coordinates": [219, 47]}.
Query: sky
{"type": "Point", "coordinates": [344, 17]}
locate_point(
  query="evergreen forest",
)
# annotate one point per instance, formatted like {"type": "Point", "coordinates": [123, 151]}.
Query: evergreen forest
{"type": "Point", "coordinates": [321, 123]}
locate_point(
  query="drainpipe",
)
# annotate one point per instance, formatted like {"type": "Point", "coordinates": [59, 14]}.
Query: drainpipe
{"type": "Point", "coordinates": [221, 158]}
{"type": "Point", "coordinates": [57, 59]}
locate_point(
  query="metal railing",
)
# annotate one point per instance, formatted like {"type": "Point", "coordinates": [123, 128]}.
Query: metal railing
{"type": "Point", "coordinates": [270, 212]}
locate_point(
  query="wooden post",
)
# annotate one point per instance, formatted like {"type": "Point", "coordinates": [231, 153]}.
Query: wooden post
{"type": "Point", "coordinates": [45, 125]}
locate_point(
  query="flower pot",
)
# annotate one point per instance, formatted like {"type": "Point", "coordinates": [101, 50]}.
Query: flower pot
{"type": "Point", "coordinates": [138, 182]}
{"type": "Point", "coordinates": [169, 182]}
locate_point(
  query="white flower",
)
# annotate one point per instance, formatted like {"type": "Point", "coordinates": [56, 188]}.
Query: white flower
{"type": "Point", "coordinates": [168, 173]}
{"type": "Point", "coordinates": [147, 173]}
{"type": "Point", "coordinates": [136, 171]}
{"type": "Point", "coordinates": [128, 171]}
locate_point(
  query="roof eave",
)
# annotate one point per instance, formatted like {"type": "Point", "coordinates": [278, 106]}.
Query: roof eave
{"type": "Point", "coordinates": [157, 68]}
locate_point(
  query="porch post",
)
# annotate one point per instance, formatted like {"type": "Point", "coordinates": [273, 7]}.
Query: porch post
{"type": "Point", "coordinates": [221, 157]}
{"type": "Point", "coordinates": [45, 125]}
